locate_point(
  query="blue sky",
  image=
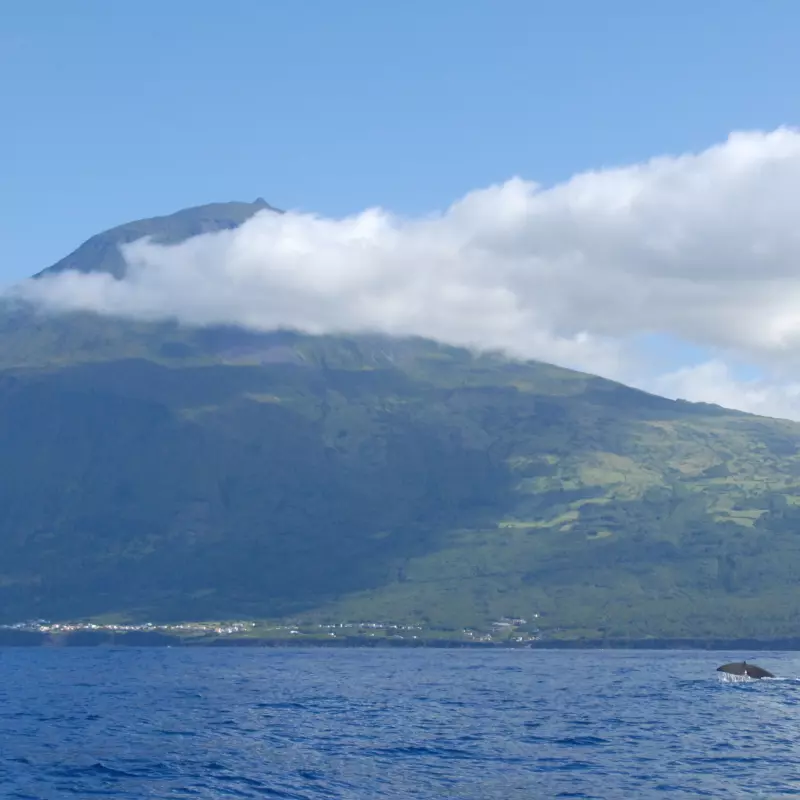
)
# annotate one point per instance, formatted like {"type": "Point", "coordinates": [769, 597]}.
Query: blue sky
{"type": "Point", "coordinates": [116, 111]}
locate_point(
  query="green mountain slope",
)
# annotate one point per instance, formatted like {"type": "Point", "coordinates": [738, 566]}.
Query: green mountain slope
{"type": "Point", "coordinates": [159, 472]}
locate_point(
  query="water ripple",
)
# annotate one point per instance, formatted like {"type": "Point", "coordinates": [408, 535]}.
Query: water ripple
{"type": "Point", "coordinates": [354, 725]}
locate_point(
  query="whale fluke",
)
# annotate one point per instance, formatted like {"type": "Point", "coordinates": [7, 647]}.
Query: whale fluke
{"type": "Point", "coordinates": [743, 668]}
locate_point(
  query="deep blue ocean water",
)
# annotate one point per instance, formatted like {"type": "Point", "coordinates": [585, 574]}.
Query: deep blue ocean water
{"type": "Point", "coordinates": [175, 723]}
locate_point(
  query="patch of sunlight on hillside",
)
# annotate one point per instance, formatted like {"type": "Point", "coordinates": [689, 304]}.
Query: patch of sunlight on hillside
{"type": "Point", "coordinates": [610, 470]}
{"type": "Point", "coordinates": [746, 517]}
{"type": "Point", "coordinates": [561, 519]}
{"type": "Point", "coordinates": [263, 398]}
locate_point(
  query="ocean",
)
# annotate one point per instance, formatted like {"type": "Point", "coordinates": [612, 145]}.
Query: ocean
{"type": "Point", "coordinates": [364, 724]}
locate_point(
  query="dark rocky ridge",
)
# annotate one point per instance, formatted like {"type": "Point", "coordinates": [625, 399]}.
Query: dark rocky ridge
{"type": "Point", "coordinates": [101, 253]}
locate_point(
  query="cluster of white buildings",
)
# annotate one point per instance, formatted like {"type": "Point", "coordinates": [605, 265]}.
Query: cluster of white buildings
{"type": "Point", "coordinates": [372, 626]}
{"type": "Point", "coordinates": [44, 626]}
{"type": "Point", "coordinates": [505, 627]}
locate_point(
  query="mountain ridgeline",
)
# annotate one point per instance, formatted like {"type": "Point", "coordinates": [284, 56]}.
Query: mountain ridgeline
{"type": "Point", "coordinates": [150, 471]}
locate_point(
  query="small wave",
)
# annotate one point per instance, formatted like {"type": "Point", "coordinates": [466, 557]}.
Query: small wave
{"type": "Point", "coordinates": [581, 741]}
{"type": "Point", "coordinates": [567, 741]}
{"type": "Point", "coordinates": [423, 750]}
{"type": "Point", "coordinates": [96, 769]}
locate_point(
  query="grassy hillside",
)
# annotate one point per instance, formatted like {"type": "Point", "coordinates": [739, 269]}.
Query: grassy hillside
{"type": "Point", "coordinates": [157, 472]}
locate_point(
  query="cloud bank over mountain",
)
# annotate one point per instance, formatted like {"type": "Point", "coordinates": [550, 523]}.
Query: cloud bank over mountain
{"type": "Point", "coordinates": [703, 248]}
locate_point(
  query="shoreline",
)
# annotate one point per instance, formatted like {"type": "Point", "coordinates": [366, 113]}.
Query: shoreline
{"type": "Point", "coordinates": [146, 639]}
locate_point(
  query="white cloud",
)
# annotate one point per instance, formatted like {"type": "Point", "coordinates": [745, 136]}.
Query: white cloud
{"type": "Point", "coordinates": [714, 382]}
{"type": "Point", "coordinates": [702, 247]}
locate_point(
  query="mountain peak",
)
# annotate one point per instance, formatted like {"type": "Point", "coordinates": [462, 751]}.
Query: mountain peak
{"type": "Point", "coordinates": [101, 253]}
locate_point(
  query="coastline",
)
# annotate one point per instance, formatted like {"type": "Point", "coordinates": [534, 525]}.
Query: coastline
{"type": "Point", "coordinates": [11, 638]}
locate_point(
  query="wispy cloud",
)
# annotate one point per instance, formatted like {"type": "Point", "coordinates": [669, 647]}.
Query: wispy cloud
{"type": "Point", "coordinates": [702, 247]}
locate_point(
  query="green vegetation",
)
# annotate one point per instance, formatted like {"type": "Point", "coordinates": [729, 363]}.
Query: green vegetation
{"type": "Point", "coordinates": [153, 472]}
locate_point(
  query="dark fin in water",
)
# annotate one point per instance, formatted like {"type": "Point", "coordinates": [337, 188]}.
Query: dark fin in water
{"type": "Point", "coordinates": [743, 668]}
